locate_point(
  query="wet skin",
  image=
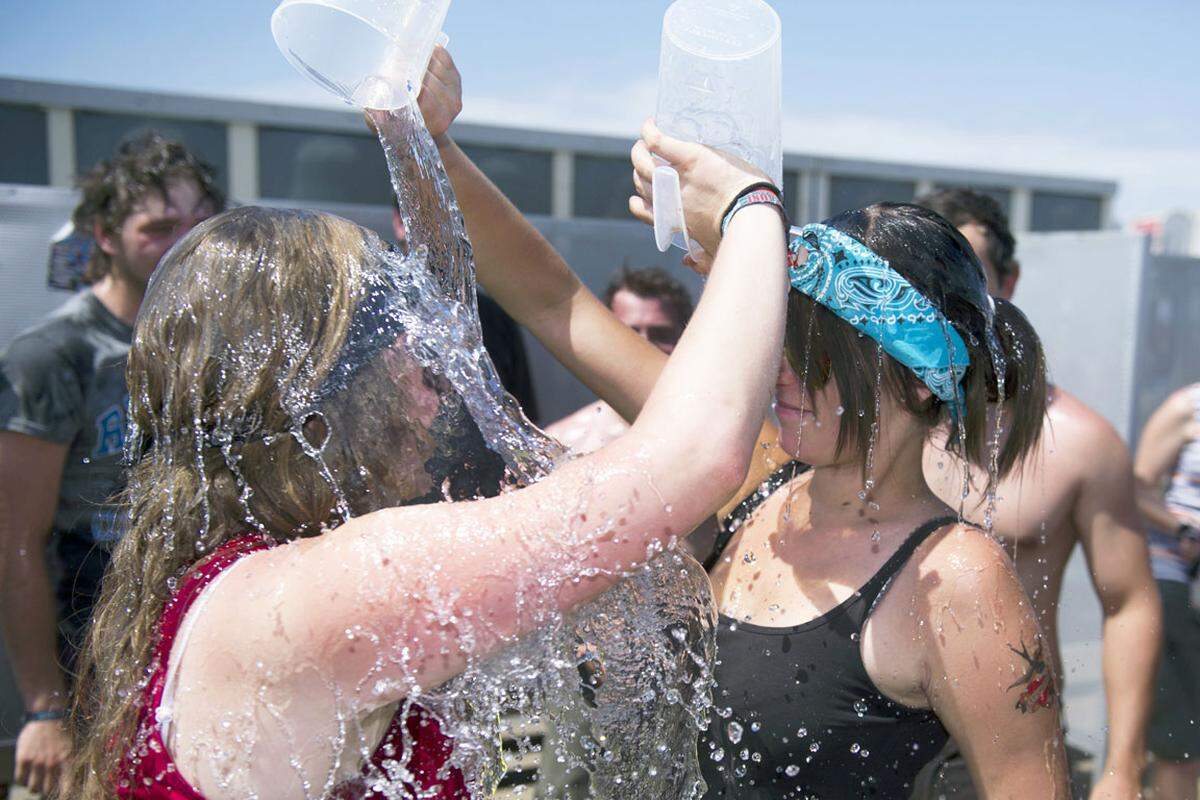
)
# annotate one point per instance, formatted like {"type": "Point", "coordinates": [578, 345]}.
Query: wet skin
{"type": "Point", "coordinates": [1033, 514]}
{"type": "Point", "coordinates": [954, 632]}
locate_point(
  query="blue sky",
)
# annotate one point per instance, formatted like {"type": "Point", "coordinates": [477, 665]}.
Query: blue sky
{"type": "Point", "coordinates": [1102, 88]}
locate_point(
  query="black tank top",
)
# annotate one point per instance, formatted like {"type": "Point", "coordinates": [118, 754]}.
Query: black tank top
{"type": "Point", "coordinates": [796, 714]}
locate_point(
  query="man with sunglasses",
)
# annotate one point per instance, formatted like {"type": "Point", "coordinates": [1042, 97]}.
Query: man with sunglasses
{"type": "Point", "coordinates": [655, 305]}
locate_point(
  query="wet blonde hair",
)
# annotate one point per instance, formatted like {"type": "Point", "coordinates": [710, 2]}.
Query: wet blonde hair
{"type": "Point", "coordinates": [242, 324]}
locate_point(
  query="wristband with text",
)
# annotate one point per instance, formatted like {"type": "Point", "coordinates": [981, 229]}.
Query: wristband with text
{"type": "Point", "coordinates": [755, 194]}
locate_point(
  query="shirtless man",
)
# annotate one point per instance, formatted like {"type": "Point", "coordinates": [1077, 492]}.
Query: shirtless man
{"type": "Point", "coordinates": [1078, 487]}
{"type": "Point", "coordinates": [655, 305]}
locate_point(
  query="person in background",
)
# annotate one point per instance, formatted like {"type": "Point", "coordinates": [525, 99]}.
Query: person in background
{"type": "Point", "coordinates": [1167, 467]}
{"type": "Point", "coordinates": [658, 308]}
{"type": "Point", "coordinates": [63, 400]}
{"type": "Point", "coordinates": [501, 338]}
{"type": "Point", "coordinates": [1074, 487]}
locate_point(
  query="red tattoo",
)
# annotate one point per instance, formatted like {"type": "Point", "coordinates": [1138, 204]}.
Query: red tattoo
{"type": "Point", "coordinates": [1037, 683]}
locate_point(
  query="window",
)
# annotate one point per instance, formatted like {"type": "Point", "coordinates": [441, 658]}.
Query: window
{"type": "Point", "coordinates": [523, 175]}
{"type": "Point", "coordinates": [25, 157]}
{"type": "Point", "coordinates": [1001, 196]}
{"type": "Point", "coordinates": [322, 167]}
{"type": "Point", "coordinates": [97, 135]}
{"type": "Point", "coordinates": [846, 193]}
{"type": "Point", "coordinates": [1065, 212]}
{"type": "Point", "coordinates": [791, 194]}
{"type": "Point", "coordinates": [603, 186]}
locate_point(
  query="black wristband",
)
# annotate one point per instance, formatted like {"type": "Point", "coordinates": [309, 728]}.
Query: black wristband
{"type": "Point", "coordinates": [49, 715]}
{"type": "Point", "coordinates": [754, 187]}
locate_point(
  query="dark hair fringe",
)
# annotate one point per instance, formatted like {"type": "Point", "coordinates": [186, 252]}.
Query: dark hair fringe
{"type": "Point", "coordinates": [932, 255]}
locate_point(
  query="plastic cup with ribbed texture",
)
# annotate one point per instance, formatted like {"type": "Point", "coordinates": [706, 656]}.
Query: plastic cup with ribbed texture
{"type": "Point", "coordinates": [719, 84]}
{"type": "Point", "coordinates": [370, 53]}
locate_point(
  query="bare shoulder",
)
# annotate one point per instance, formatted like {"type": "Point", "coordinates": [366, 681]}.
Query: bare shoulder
{"type": "Point", "coordinates": [1080, 432]}
{"type": "Point", "coordinates": [961, 566]}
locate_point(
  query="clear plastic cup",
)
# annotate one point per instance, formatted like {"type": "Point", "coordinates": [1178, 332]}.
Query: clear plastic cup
{"type": "Point", "coordinates": [370, 53]}
{"type": "Point", "coordinates": [719, 84]}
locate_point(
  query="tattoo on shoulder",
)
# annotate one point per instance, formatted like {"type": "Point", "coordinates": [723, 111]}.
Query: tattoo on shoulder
{"type": "Point", "coordinates": [1036, 684]}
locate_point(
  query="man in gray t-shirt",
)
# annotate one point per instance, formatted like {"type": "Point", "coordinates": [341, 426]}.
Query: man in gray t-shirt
{"type": "Point", "coordinates": [62, 431]}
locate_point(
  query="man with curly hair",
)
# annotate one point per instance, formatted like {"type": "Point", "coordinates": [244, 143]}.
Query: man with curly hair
{"type": "Point", "coordinates": [62, 422]}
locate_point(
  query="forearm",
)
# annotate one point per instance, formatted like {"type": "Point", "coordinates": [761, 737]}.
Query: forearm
{"type": "Point", "coordinates": [732, 347]}
{"type": "Point", "coordinates": [514, 263]}
{"type": "Point", "coordinates": [28, 623]}
{"type": "Point", "coordinates": [524, 273]}
{"type": "Point", "coordinates": [1154, 510]}
{"type": "Point", "coordinates": [1132, 636]}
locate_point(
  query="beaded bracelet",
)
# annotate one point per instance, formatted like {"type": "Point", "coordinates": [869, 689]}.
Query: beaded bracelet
{"type": "Point", "coordinates": [755, 194]}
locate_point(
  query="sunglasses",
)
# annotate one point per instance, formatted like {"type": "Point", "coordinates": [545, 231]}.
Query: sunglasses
{"type": "Point", "coordinates": [661, 335]}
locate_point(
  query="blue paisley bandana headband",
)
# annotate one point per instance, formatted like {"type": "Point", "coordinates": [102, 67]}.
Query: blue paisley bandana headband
{"type": "Point", "coordinates": [847, 277]}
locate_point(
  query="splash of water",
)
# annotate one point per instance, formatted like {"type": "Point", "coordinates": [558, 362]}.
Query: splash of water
{"type": "Point", "coordinates": [619, 688]}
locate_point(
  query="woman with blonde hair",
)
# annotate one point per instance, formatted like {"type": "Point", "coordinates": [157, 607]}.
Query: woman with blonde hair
{"type": "Point", "coordinates": [276, 610]}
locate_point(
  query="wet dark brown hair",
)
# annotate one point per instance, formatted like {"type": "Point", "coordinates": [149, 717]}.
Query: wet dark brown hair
{"type": "Point", "coordinates": [934, 257]}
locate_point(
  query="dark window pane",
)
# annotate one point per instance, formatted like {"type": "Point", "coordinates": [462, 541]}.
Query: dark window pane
{"type": "Point", "coordinates": [322, 167]}
{"type": "Point", "coordinates": [1065, 212]}
{"type": "Point", "coordinates": [847, 193]}
{"type": "Point", "coordinates": [523, 175]}
{"type": "Point", "coordinates": [1001, 196]}
{"type": "Point", "coordinates": [97, 135]}
{"type": "Point", "coordinates": [791, 193]}
{"type": "Point", "coordinates": [24, 157]}
{"type": "Point", "coordinates": [603, 186]}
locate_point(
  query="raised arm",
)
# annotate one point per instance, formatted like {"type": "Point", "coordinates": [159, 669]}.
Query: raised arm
{"type": "Point", "coordinates": [1165, 434]}
{"type": "Point", "coordinates": [524, 273]}
{"type": "Point", "coordinates": [1105, 515]}
{"type": "Point", "coordinates": [990, 679]}
{"type": "Point", "coordinates": [437, 585]}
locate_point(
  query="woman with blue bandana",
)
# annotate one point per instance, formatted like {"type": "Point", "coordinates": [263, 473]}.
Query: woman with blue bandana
{"type": "Point", "coordinates": [861, 622]}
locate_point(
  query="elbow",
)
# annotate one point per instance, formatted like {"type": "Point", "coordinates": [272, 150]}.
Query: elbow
{"type": "Point", "coordinates": [728, 463]}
